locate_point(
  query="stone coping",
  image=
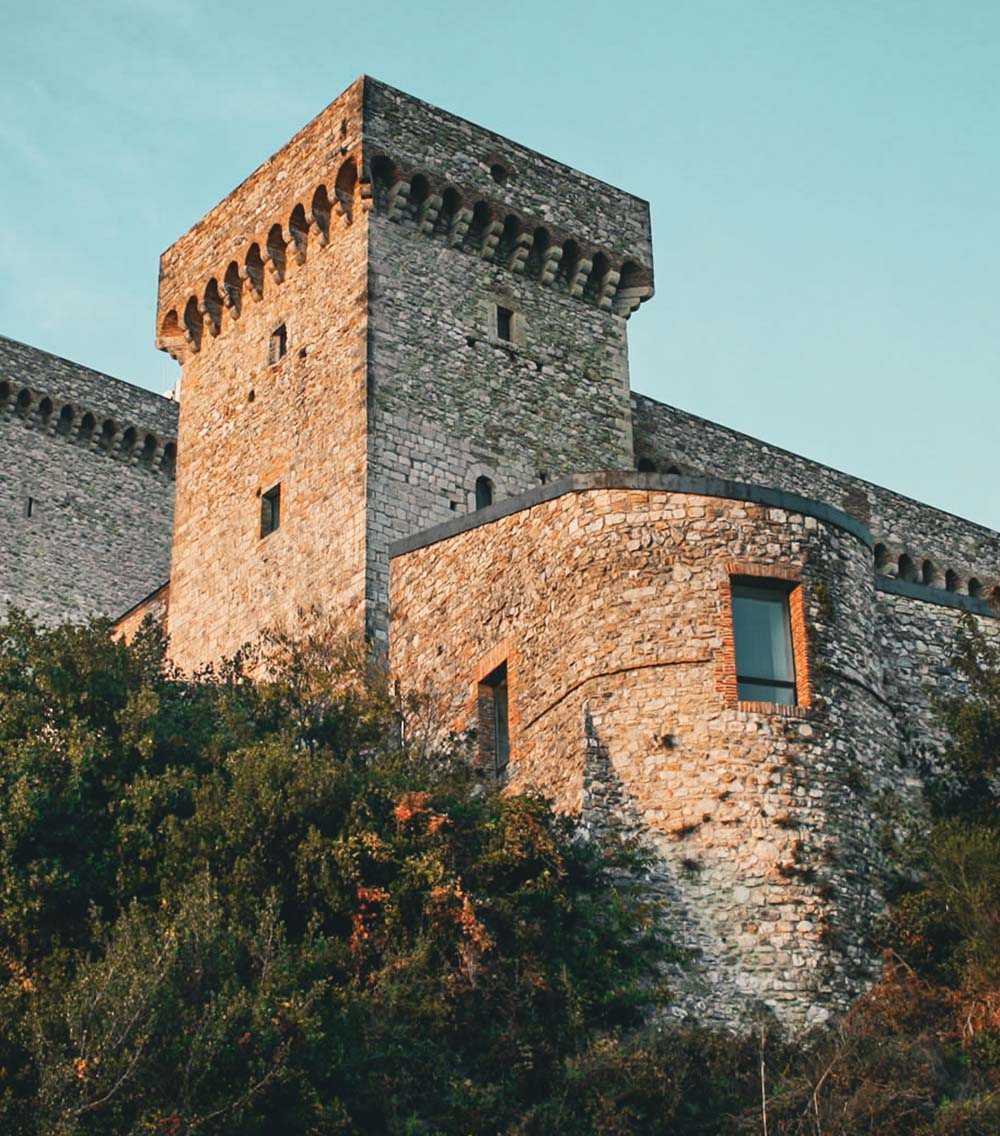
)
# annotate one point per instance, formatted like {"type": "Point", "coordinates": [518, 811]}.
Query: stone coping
{"type": "Point", "coordinates": [927, 594]}
{"type": "Point", "coordinates": [629, 479]}
{"type": "Point", "coordinates": [141, 603]}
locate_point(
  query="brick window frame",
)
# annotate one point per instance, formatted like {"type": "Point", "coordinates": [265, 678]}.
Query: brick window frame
{"type": "Point", "coordinates": [480, 708]}
{"type": "Point", "coordinates": [790, 577]}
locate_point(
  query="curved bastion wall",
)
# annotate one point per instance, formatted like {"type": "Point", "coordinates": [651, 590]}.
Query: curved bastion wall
{"type": "Point", "coordinates": [608, 599]}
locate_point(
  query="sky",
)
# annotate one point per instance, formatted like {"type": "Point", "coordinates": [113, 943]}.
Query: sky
{"type": "Point", "coordinates": [823, 176]}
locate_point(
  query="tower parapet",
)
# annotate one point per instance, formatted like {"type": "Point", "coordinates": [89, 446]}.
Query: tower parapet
{"type": "Point", "coordinates": [396, 308]}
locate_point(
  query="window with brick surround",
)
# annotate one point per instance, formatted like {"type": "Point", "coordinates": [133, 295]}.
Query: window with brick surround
{"type": "Point", "coordinates": [494, 721]}
{"type": "Point", "coordinates": [762, 633]}
{"type": "Point", "coordinates": [270, 510]}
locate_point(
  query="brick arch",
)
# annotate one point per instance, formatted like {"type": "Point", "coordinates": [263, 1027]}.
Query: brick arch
{"type": "Point", "coordinates": [211, 306]}
{"type": "Point", "coordinates": [232, 285]}
{"type": "Point", "coordinates": [253, 269]}
{"type": "Point", "coordinates": [274, 252]}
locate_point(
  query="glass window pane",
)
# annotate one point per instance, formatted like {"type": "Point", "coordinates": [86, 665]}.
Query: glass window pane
{"type": "Point", "coordinates": [765, 692]}
{"type": "Point", "coordinates": [763, 639]}
{"type": "Point", "coordinates": [501, 724]}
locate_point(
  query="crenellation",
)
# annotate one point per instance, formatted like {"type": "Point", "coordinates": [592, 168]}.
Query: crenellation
{"type": "Point", "coordinates": [406, 405]}
{"type": "Point", "coordinates": [84, 511]}
{"type": "Point", "coordinates": [908, 533]}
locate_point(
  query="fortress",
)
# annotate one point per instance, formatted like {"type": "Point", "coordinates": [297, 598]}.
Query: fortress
{"type": "Point", "coordinates": [405, 400]}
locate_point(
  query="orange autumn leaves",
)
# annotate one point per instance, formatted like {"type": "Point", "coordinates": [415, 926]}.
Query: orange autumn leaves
{"type": "Point", "coordinates": [448, 912]}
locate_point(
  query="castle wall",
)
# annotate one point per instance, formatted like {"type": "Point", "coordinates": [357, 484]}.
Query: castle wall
{"type": "Point", "coordinates": [608, 599]}
{"type": "Point", "coordinates": [451, 399]}
{"type": "Point", "coordinates": [450, 402]}
{"type": "Point", "coordinates": [253, 418]}
{"type": "Point", "coordinates": [917, 630]}
{"type": "Point", "coordinates": [934, 541]}
{"type": "Point", "coordinates": [154, 606]}
{"type": "Point", "coordinates": [86, 487]}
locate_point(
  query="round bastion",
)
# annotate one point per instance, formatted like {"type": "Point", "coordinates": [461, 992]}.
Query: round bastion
{"type": "Point", "coordinates": [608, 599]}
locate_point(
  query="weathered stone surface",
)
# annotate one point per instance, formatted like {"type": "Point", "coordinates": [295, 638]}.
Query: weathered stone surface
{"type": "Point", "coordinates": [397, 392]}
{"type": "Point", "coordinates": [935, 542]}
{"type": "Point", "coordinates": [611, 606]}
{"type": "Point", "coordinates": [86, 487]}
{"type": "Point", "coordinates": [250, 421]}
{"type": "Point", "coordinates": [400, 303]}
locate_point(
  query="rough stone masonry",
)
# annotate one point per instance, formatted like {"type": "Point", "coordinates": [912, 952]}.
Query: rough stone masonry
{"type": "Point", "coordinates": [405, 402]}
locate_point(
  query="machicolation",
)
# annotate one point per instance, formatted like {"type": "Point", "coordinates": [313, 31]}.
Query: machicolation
{"type": "Point", "coordinates": [405, 401]}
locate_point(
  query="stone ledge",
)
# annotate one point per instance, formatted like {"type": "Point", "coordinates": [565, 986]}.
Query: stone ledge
{"type": "Point", "coordinates": [629, 479]}
{"type": "Point", "coordinates": [926, 594]}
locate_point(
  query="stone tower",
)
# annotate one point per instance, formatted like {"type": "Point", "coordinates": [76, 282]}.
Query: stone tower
{"type": "Point", "coordinates": [398, 316]}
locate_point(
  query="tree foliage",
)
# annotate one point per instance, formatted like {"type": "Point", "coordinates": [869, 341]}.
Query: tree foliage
{"type": "Point", "coordinates": [231, 906]}
{"type": "Point", "coordinates": [254, 907]}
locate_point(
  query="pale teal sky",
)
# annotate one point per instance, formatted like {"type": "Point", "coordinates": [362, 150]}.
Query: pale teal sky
{"type": "Point", "coordinates": [824, 180]}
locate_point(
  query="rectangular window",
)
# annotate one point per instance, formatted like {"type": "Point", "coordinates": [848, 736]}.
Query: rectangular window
{"type": "Point", "coordinates": [505, 323]}
{"type": "Point", "coordinates": [765, 660]}
{"type": "Point", "coordinates": [494, 720]}
{"type": "Point", "coordinates": [278, 345]}
{"type": "Point", "coordinates": [270, 510]}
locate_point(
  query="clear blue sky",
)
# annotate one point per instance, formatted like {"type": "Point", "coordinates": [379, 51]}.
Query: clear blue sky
{"type": "Point", "coordinates": [824, 177]}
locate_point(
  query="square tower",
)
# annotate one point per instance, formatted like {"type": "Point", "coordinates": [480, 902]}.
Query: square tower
{"type": "Point", "coordinates": [396, 318]}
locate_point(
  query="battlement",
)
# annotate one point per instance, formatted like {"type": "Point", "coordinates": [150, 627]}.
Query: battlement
{"type": "Point", "coordinates": [87, 408]}
{"type": "Point", "coordinates": [914, 543]}
{"type": "Point", "coordinates": [419, 166]}
{"type": "Point", "coordinates": [482, 163]}
{"type": "Point", "coordinates": [247, 242]}
{"type": "Point", "coordinates": [86, 487]}
{"type": "Point", "coordinates": [510, 205]}
{"type": "Point", "coordinates": [483, 227]}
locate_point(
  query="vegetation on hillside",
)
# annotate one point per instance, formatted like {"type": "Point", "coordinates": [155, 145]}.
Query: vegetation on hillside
{"type": "Point", "coordinates": [236, 907]}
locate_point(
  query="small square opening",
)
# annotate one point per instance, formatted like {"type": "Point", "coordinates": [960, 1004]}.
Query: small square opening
{"type": "Point", "coordinates": [278, 347]}
{"type": "Point", "coordinates": [505, 323]}
{"type": "Point", "coordinates": [270, 510]}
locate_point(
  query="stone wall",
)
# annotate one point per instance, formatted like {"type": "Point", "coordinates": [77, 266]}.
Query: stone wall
{"type": "Point", "coordinates": [154, 606]}
{"type": "Point", "coordinates": [402, 275]}
{"type": "Point", "coordinates": [939, 549]}
{"type": "Point", "coordinates": [451, 399]}
{"type": "Point", "coordinates": [608, 598]}
{"type": "Point", "coordinates": [917, 631]}
{"type": "Point", "coordinates": [274, 394]}
{"type": "Point", "coordinates": [86, 487]}
{"type": "Point", "coordinates": [465, 222]}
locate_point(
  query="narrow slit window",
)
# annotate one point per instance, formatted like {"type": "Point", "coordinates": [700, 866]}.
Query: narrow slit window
{"type": "Point", "coordinates": [29, 507]}
{"type": "Point", "coordinates": [505, 323]}
{"type": "Point", "coordinates": [494, 720]}
{"type": "Point", "coordinates": [270, 510]}
{"type": "Point", "coordinates": [278, 347]}
{"type": "Point", "coordinates": [765, 659]}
